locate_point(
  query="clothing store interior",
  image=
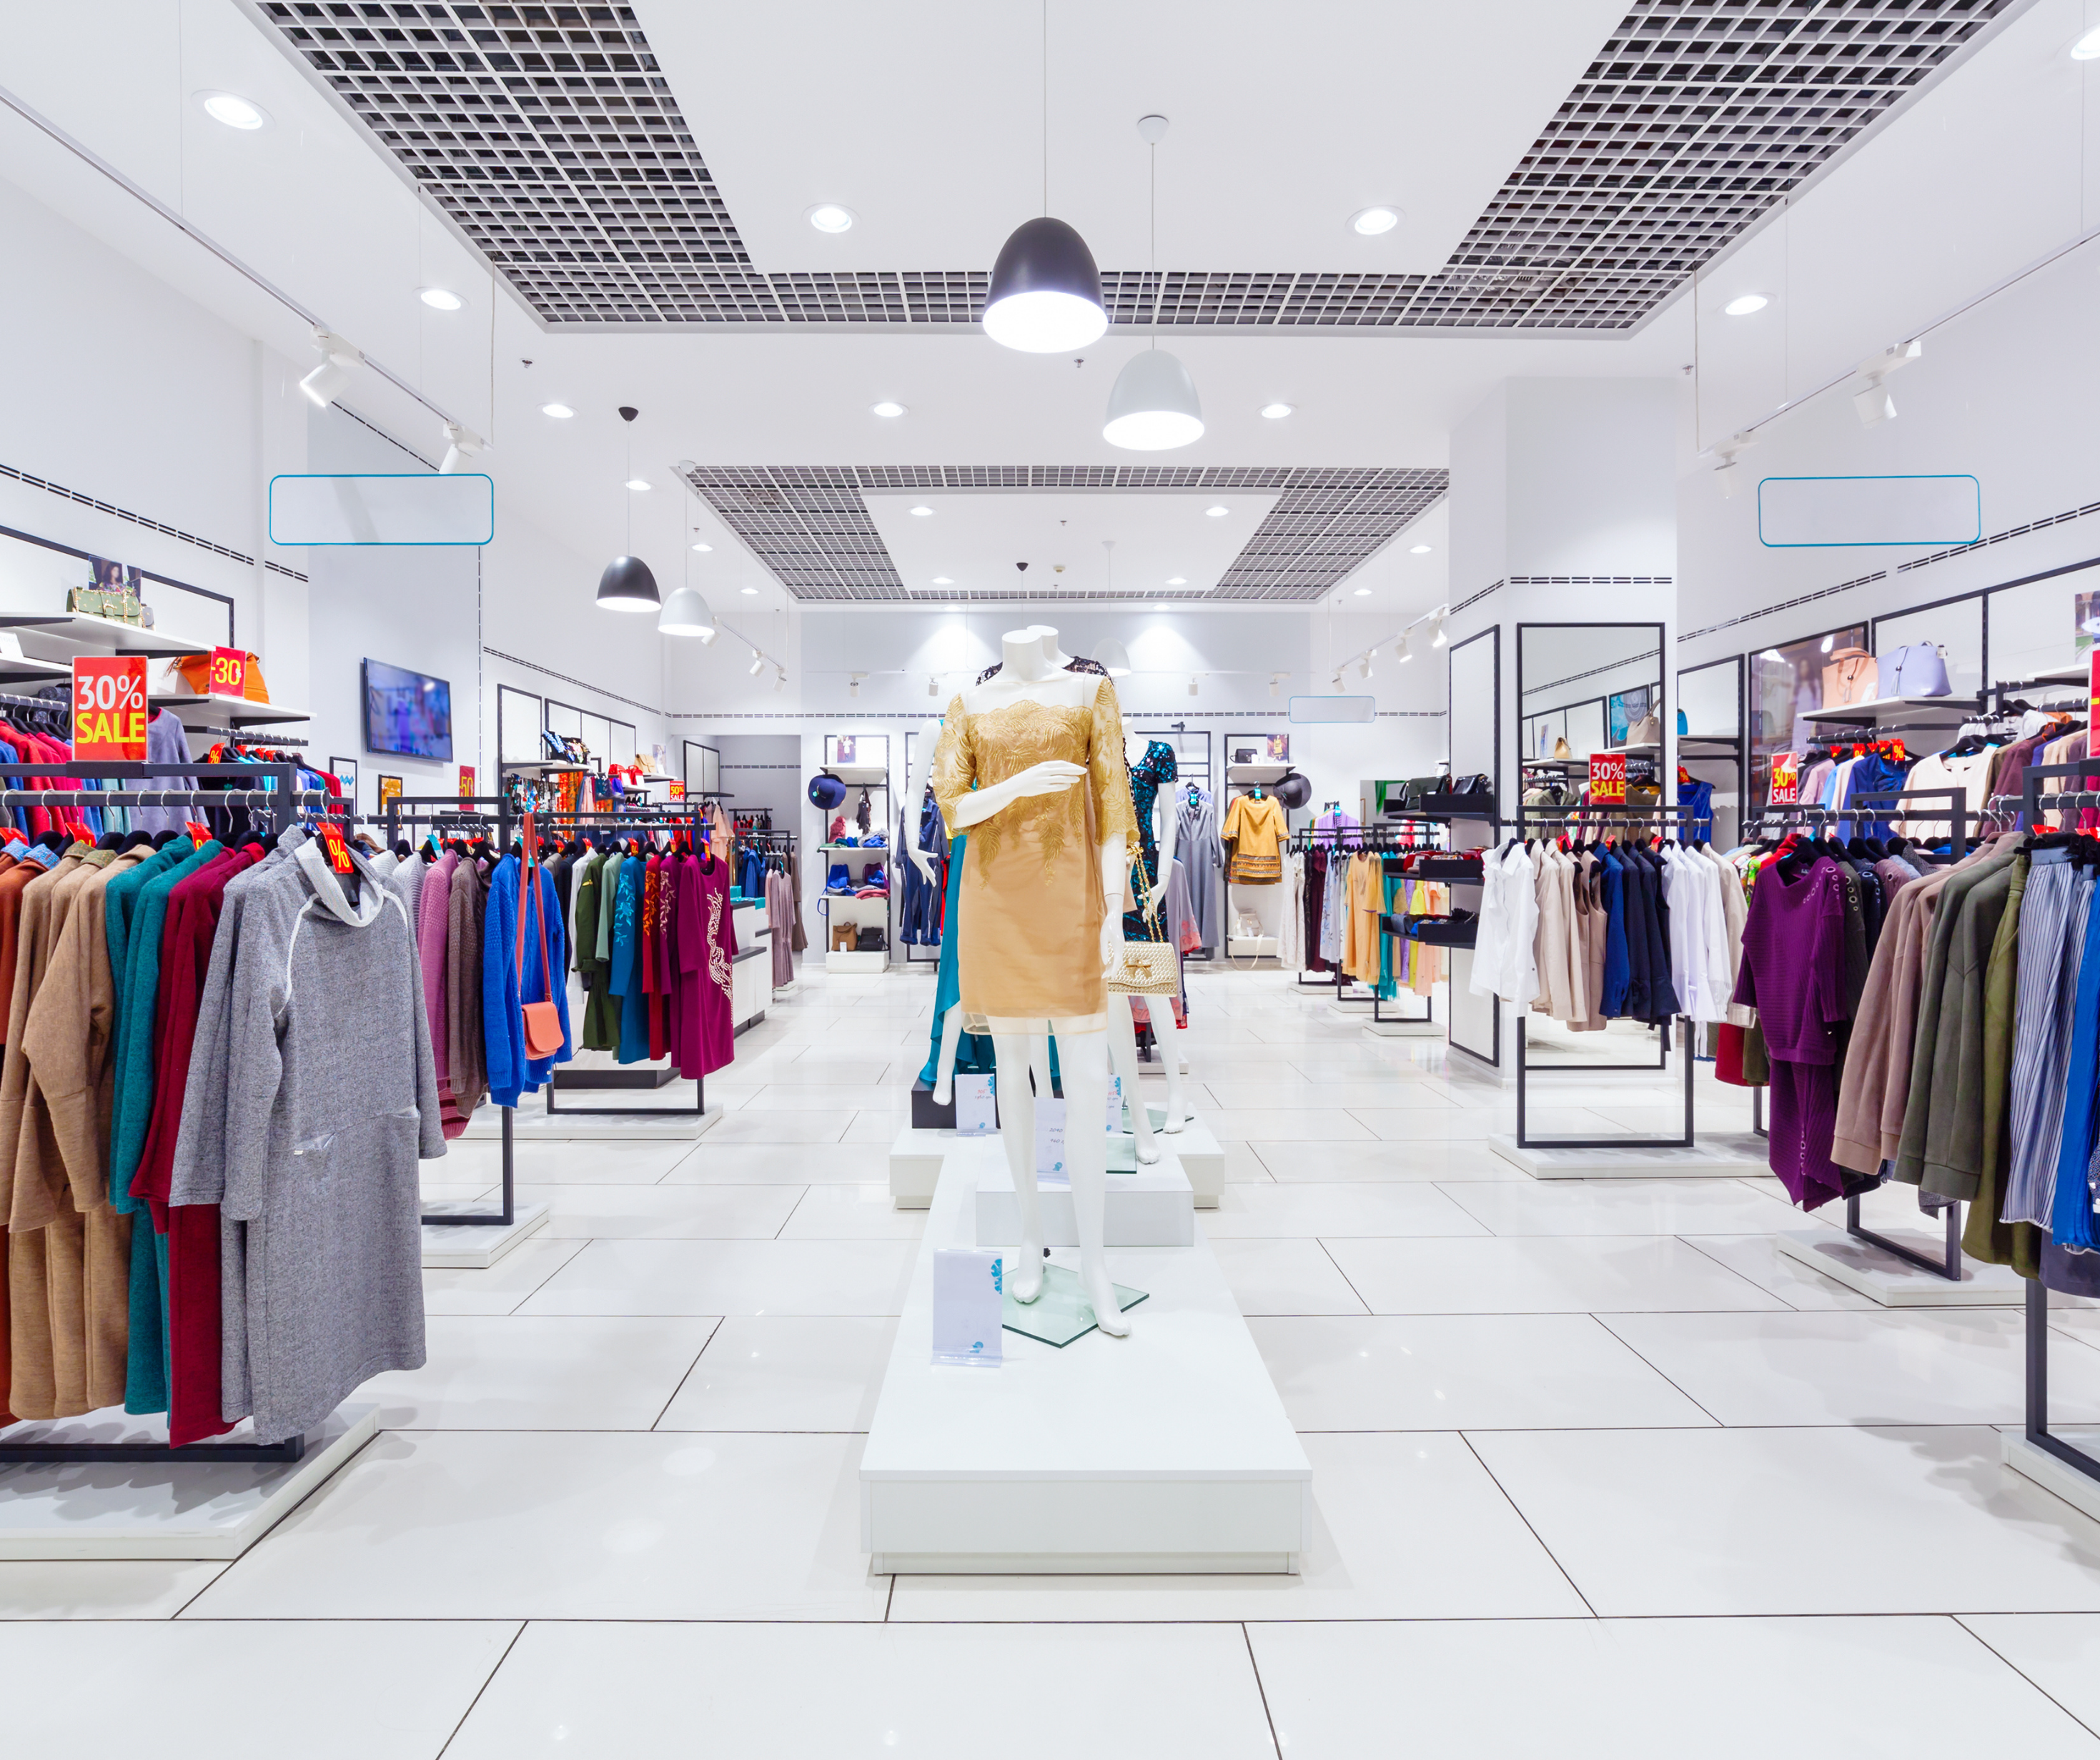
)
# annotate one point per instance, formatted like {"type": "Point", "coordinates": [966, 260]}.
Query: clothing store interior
{"type": "Point", "coordinates": [830, 852]}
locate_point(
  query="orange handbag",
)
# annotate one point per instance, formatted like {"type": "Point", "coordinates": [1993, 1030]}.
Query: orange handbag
{"type": "Point", "coordinates": [542, 1020]}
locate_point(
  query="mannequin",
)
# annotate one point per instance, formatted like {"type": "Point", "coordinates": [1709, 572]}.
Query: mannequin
{"type": "Point", "coordinates": [1166, 1032]}
{"type": "Point", "coordinates": [1041, 926]}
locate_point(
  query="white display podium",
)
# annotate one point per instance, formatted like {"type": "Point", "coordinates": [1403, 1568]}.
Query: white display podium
{"type": "Point", "coordinates": [915, 1158]}
{"type": "Point", "coordinates": [1165, 1452]}
{"type": "Point", "coordinates": [1152, 1206]}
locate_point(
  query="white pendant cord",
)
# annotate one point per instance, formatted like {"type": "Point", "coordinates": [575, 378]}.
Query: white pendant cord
{"type": "Point", "coordinates": [1152, 161]}
{"type": "Point", "coordinates": [1046, 109]}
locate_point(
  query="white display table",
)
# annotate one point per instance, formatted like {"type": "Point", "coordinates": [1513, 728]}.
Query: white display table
{"type": "Point", "coordinates": [1165, 1452]}
{"type": "Point", "coordinates": [915, 1158]}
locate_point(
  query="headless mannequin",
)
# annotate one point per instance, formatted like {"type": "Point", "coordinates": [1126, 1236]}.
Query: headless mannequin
{"type": "Point", "coordinates": [1028, 673]}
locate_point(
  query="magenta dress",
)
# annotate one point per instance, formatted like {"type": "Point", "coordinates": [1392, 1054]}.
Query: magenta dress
{"type": "Point", "coordinates": [704, 934]}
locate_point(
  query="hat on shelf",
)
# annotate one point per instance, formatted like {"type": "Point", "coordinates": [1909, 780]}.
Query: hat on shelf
{"type": "Point", "coordinates": [827, 792]}
{"type": "Point", "coordinates": [1293, 789]}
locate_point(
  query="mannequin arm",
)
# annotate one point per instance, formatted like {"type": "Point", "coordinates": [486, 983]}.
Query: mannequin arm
{"type": "Point", "coordinates": [1115, 865]}
{"type": "Point", "coordinates": [1053, 775]}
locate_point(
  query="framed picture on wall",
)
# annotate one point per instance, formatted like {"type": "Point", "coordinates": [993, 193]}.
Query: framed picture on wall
{"type": "Point", "coordinates": [390, 789]}
{"type": "Point", "coordinates": [1279, 748]}
{"type": "Point", "coordinates": [344, 770]}
{"type": "Point", "coordinates": [843, 747]}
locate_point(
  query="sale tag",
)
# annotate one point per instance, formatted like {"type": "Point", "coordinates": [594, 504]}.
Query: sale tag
{"type": "Point", "coordinates": [1608, 779]}
{"type": "Point", "coordinates": [339, 854]}
{"type": "Point", "coordinates": [197, 833]}
{"type": "Point", "coordinates": [976, 1112]}
{"type": "Point", "coordinates": [228, 676]}
{"type": "Point", "coordinates": [1051, 1172]}
{"type": "Point", "coordinates": [1785, 780]}
{"type": "Point", "coordinates": [968, 1301]}
{"type": "Point", "coordinates": [109, 712]}
{"type": "Point", "coordinates": [677, 791]}
{"type": "Point", "coordinates": [466, 782]}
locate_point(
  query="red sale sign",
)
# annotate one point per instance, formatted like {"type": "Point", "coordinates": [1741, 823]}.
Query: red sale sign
{"type": "Point", "coordinates": [1608, 779]}
{"type": "Point", "coordinates": [229, 672]}
{"type": "Point", "coordinates": [109, 712]}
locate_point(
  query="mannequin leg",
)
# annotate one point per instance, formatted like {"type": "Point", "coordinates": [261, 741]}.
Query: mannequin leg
{"type": "Point", "coordinates": [1166, 1036]}
{"type": "Point", "coordinates": [1085, 1072]}
{"type": "Point", "coordinates": [951, 1034]}
{"type": "Point", "coordinates": [1122, 1053]}
{"type": "Point", "coordinates": [1016, 1130]}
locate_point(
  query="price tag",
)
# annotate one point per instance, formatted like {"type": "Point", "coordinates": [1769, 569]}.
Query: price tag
{"type": "Point", "coordinates": [109, 712]}
{"type": "Point", "coordinates": [228, 676]}
{"type": "Point", "coordinates": [977, 1110]}
{"type": "Point", "coordinates": [969, 1298]}
{"type": "Point", "coordinates": [1608, 779]}
{"type": "Point", "coordinates": [338, 854]}
{"type": "Point", "coordinates": [1052, 1173]}
{"type": "Point", "coordinates": [1785, 780]}
{"type": "Point", "coordinates": [197, 833]}
{"type": "Point", "coordinates": [1115, 1105]}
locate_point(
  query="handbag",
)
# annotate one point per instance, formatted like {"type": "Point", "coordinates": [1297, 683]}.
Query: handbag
{"type": "Point", "coordinates": [1148, 968]}
{"type": "Point", "coordinates": [1918, 671]}
{"type": "Point", "coordinates": [1647, 731]}
{"type": "Point", "coordinates": [542, 1020]}
{"type": "Point", "coordinates": [1850, 676]}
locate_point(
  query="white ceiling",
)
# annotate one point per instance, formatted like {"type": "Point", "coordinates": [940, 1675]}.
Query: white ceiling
{"type": "Point", "coordinates": [975, 539]}
{"type": "Point", "coordinates": [928, 123]}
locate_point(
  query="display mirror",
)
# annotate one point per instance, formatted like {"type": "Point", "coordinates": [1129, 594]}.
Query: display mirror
{"type": "Point", "coordinates": [1584, 688]}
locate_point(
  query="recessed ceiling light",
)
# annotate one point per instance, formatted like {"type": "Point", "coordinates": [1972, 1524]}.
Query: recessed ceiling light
{"type": "Point", "coordinates": [1420, 549]}
{"type": "Point", "coordinates": [750, 592]}
{"type": "Point", "coordinates": [439, 299]}
{"type": "Point", "coordinates": [1217, 512]}
{"type": "Point", "coordinates": [1371, 221]}
{"type": "Point", "coordinates": [923, 513]}
{"type": "Point", "coordinates": [1159, 608]}
{"type": "Point", "coordinates": [637, 482]}
{"type": "Point", "coordinates": [1276, 412]}
{"type": "Point", "coordinates": [953, 608]}
{"type": "Point", "coordinates": [559, 412]}
{"type": "Point", "coordinates": [1744, 304]}
{"type": "Point", "coordinates": [2087, 48]}
{"type": "Point", "coordinates": [704, 547]}
{"type": "Point", "coordinates": [829, 216]}
{"type": "Point", "coordinates": [1177, 580]}
{"type": "Point", "coordinates": [886, 408]}
{"type": "Point", "coordinates": [1363, 592]}
{"type": "Point", "coordinates": [943, 580]}
{"type": "Point", "coordinates": [236, 112]}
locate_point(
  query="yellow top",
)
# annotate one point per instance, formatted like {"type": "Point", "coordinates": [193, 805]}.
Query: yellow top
{"type": "Point", "coordinates": [1028, 940]}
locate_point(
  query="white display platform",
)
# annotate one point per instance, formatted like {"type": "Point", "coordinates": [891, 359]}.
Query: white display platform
{"type": "Point", "coordinates": [1152, 1207]}
{"type": "Point", "coordinates": [1166, 1451]}
{"type": "Point", "coordinates": [1724, 1155]}
{"type": "Point", "coordinates": [187, 1509]}
{"type": "Point", "coordinates": [2033, 1462]}
{"type": "Point", "coordinates": [476, 1246]}
{"type": "Point", "coordinates": [856, 962]}
{"type": "Point", "coordinates": [916, 1157]}
{"type": "Point", "coordinates": [534, 1125]}
{"type": "Point", "coordinates": [1406, 1029]}
{"type": "Point", "coordinates": [1896, 1283]}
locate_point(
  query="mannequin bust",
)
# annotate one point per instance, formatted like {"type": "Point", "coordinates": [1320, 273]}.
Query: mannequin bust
{"type": "Point", "coordinates": [1040, 918]}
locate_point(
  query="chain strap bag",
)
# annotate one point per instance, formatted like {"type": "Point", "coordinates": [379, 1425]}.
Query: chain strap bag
{"type": "Point", "coordinates": [542, 1021]}
{"type": "Point", "coordinates": [1149, 968]}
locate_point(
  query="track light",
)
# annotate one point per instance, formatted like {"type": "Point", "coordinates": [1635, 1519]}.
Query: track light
{"type": "Point", "coordinates": [1364, 667]}
{"type": "Point", "coordinates": [1275, 683]}
{"type": "Point", "coordinates": [1192, 684]}
{"type": "Point", "coordinates": [779, 682]}
{"type": "Point", "coordinates": [1727, 473]}
{"type": "Point", "coordinates": [1872, 403]}
{"type": "Point", "coordinates": [1437, 638]}
{"type": "Point", "coordinates": [1403, 650]}
{"type": "Point", "coordinates": [460, 445]}
{"type": "Point", "coordinates": [1336, 681]}
{"type": "Point", "coordinates": [933, 686]}
{"type": "Point", "coordinates": [337, 357]}
{"type": "Point", "coordinates": [852, 683]}
{"type": "Point", "coordinates": [758, 662]}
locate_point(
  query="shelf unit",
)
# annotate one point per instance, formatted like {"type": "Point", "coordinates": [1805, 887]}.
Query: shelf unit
{"type": "Point", "coordinates": [90, 635]}
{"type": "Point", "coordinates": [229, 712]}
{"type": "Point", "coordinates": [1917, 712]}
{"type": "Point", "coordinates": [874, 912]}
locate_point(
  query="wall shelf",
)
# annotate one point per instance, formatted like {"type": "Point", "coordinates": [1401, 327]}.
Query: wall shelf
{"type": "Point", "coordinates": [235, 711]}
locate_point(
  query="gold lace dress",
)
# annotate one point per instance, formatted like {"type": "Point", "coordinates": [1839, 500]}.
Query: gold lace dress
{"type": "Point", "coordinates": [1028, 937]}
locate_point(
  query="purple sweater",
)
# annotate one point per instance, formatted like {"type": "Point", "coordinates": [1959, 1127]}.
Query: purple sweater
{"type": "Point", "coordinates": [1793, 962]}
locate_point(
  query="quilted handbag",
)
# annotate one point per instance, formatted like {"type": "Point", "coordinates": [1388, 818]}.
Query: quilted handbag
{"type": "Point", "coordinates": [1918, 671]}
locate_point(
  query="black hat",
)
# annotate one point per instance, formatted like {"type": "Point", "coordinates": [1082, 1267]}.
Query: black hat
{"type": "Point", "coordinates": [827, 792]}
{"type": "Point", "coordinates": [1294, 790]}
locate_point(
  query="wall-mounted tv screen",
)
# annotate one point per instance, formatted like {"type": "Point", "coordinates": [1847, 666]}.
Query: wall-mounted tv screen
{"type": "Point", "coordinates": [406, 713]}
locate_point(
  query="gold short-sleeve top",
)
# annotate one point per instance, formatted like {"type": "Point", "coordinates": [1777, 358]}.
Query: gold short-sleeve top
{"type": "Point", "coordinates": [1028, 940]}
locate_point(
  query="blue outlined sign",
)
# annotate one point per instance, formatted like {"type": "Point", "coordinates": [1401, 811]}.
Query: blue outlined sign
{"type": "Point", "coordinates": [422, 508]}
{"type": "Point", "coordinates": [1847, 512]}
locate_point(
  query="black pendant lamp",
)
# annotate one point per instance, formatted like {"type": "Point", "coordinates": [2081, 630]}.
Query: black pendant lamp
{"type": "Point", "coordinates": [1045, 295]}
{"type": "Point", "coordinates": [627, 585]}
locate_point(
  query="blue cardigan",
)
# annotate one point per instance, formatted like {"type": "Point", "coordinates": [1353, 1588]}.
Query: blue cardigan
{"type": "Point", "coordinates": [510, 1073]}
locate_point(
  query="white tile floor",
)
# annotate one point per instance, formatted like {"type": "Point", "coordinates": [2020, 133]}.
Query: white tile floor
{"type": "Point", "coordinates": [1590, 1460]}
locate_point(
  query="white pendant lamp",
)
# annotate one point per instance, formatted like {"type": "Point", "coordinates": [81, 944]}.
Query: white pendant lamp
{"type": "Point", "coordinates": [1112, 657]}
{"type": "Point", "coordinates": [1153, 407]}
{"type": "Point", "coordinates": [1045, 295]}
{"type": "Point", "coordinates": [686, 613]}
{"type": "Point", "coordinates": [627, 585]}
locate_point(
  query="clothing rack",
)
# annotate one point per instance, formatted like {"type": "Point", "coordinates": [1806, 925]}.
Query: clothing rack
{"type": "Point", "coordinates": [1385, 837]}
{"type": "Point", "coordinates": [1558, 812]}
{"type": "Point", "coordinates": [1872, 805]}
{"type": "Point", "coordinates": [281, 804]}
{"type": "Point", "coordinates": [2035, 1311]}
{"type": "Point", "coordinates": [658, 816]}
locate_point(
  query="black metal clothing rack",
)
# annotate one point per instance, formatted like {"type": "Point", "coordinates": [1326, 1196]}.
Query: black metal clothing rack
{"type": "Point", "coordinates": [284, 803]}
{"type": "Point", "coordinates": [1383, 837]}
